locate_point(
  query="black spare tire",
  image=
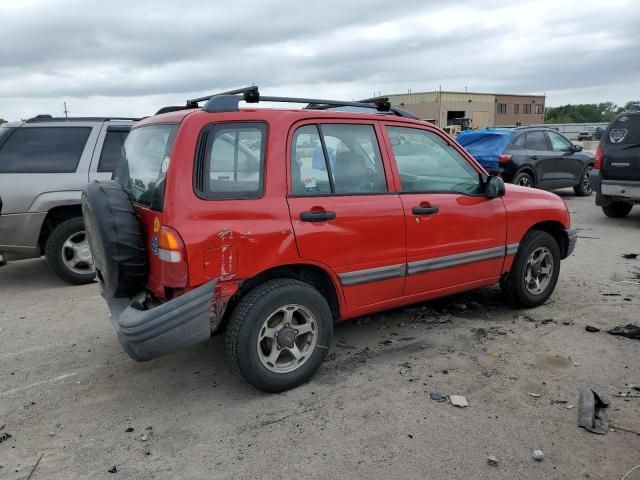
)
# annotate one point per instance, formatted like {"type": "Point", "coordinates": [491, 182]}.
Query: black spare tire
{"type": "Point", "coordinates": [115, 239]}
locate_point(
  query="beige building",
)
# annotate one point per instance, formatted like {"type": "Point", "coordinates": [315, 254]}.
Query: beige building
{"type": "Point", "coordinates": [483, 109]}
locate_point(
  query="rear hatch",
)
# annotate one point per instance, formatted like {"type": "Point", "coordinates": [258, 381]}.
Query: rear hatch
{"type": "Point", "coordinates": [621, 148]}
{"type": "Point", "coordinates": [142, 171]}
{"type": "Point", "coordinates": [486, 146]}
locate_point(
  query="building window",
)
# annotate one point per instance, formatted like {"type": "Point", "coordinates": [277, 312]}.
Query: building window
{"type": "Point", "coordinates": [516, 108]}
{"type": "Point", "coordinates": [526, 108]}
{"type": "Point", "coordinates": [539, 109]}
{"type": "Point", "coordinates": [502, 108]}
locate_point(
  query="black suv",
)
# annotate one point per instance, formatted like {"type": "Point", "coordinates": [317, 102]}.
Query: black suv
{"type": "Point", "coordinates": [616, 175]}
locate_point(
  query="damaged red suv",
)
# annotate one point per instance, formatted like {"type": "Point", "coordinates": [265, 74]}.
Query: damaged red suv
{"type": "Point", "coordinates": [272, 225]}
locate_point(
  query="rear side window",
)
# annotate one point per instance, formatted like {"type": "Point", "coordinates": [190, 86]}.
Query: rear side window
{"type": "Point", "coordinates": [625, 130]}
{"type": "Point", "coordinates": [230, 161]}
{"type": "Point", "coordinates": [112, 148]}
{"type": "Point", "coordinates": [339, 159]}
{"type": "Point", "coordinates": [144, 162]}
{"type": "Point", "coordinates": [536, 141]}
{"type": "Point", "coordinates": [43, 149]}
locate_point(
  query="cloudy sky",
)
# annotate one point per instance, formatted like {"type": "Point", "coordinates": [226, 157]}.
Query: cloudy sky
{"type": "Point", "coordinates": [131, 57]}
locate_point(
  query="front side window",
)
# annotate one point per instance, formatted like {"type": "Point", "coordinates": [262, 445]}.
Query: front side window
{"type": "Point", "coordinates": [43, 149]}
{"type": "Point", "coordinates": [233, 161]}
{"type": "Point", "coordinates": [536, 141]}
{"type": "Point", "coordinates": [144, 162]}
{"type": "Point", "coordinates": [112, 148]}
{"type": "Point", "coordinates": [558, 142]}
{"type": "Point", "coordinates": [336, 159]}
{"type": "Point", "coordinates": [427, 163]}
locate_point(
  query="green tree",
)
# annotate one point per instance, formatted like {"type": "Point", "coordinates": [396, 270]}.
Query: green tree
{"type": "Point", "coordinates": [582, 113]}
{"type": "Point", "coordinates": [2, 120]}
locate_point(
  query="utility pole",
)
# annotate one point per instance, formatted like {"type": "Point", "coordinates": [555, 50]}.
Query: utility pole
{"type": "Point", "coordinates": [66, 112]}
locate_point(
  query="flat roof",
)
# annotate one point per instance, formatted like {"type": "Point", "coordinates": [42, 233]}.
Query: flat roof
{"type": "Point", "coordinates": [468, 93]}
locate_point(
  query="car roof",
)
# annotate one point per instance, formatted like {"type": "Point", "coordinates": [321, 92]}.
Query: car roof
{"type": "Point", "coordinates": [267, 114]}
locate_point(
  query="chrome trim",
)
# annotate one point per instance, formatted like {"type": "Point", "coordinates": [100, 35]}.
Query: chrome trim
{"type": "Point", "coordinates": [511, 249]}
{"type": "Point", "coordinates": [454, 260]}
{"type": "Point", "coordinates": [372, 274]}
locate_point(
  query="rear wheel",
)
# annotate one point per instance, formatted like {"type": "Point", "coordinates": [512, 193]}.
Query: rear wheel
{"type": "Point", "coordinates": [523, 179]}
{"type": "Point", "coordinates": [534, 272]}
{"type": "Point", "coordinates": [279, 334]}
{"type": "Point", "coordinates": [617, 209]}
{"type": "Point", "coordinates": [68, 253]}
{"type": "Point", "coordinates": [583, 189]}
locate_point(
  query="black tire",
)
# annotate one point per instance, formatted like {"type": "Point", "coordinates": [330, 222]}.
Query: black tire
{"type": "Point", "coordinates": [523, 179]}
{"type": "Point", "coordinates": [246, 322]}
{"type": "Point", "coordinates": [513, 285]}
{"type": "Point", "coordinates": [583, 189]}
{"type": "Point", "coordinates": [617, 209]}
{"type": "Point", "coordinates": [56, 253]}
{"type": "Point", "coordinates": [115, 239]}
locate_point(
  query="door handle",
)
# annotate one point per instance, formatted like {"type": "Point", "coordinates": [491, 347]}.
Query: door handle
{"type": "Point", "coordinates": [317, 216]}
{"type": "Point", "coordinates": [534, 157]}
{"type": "Point", "coordinates": [419, 210]}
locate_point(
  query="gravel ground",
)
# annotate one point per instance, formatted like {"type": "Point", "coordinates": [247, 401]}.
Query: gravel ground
{"type": "Point", "coordinates": [68, 393]}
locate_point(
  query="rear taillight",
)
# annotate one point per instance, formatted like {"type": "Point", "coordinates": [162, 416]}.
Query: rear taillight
{"type": "Point", "coordinates": [598, 163]}
{"type": "Point", "coordinates": [173, 258]}
{"type": "Point", "coordinates": [504, 159]}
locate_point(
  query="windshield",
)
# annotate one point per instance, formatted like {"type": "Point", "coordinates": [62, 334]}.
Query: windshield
{"type": "Point", "coordinates": [624, 130]}
{"type": "Point", "coordinates": [144, 162]}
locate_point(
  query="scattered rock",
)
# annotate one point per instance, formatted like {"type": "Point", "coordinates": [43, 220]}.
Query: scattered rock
{"type": "Point", "coordinates": [144, 437]}
{"type": "Point", "coordinates": [591, 329]}
{"type": "Point", "coordinates": [569, 407]}
{"type": "Point", "coordinates": [630, 256]}
{"type": "Point", "coordinates": [533, 394]}
{"type": "Point", "coordinates": [438, 397]}
{"type": "Point", "coordinates": [538, 455]}
{"type": "Point", "coordinates": [629, 330]}
{"type": "Point", "coordinates": [458, 401]}
{"type": "Point", "coordinates": [113, 469]}
{"type": "Point", "coordinates": [129, 430]}
{"type": "Point", "coordinates": [4, 436]}
{"type": "Point", "coordinates": [493, 461]}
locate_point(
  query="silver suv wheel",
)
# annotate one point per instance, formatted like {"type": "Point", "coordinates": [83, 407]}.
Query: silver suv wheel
{"type": "Point", "coordinates": [76, 254]}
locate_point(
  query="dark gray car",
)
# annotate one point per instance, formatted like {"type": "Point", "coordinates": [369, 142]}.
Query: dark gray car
{"type": "Point", "coordinates": [44, 164]}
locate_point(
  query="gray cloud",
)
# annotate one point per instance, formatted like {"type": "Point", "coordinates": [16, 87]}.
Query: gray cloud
{"type": "Point", "coordinates": [100, 54]}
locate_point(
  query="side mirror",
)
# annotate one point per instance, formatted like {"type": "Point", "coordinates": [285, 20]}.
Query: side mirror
{"type": "Point", "coordinates": [576, 148]}
{"type": "Point", "coordinates": [494, 187]}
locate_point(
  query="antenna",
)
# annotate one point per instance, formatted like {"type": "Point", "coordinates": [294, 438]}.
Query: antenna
{"type": "Point", "coordinates": [66, 112]}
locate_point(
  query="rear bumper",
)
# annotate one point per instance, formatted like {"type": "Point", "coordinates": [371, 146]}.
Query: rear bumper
{"type": "Point", "coordinates": [614, 190]}
{"type": "Point", "coordinates": [178, 323]}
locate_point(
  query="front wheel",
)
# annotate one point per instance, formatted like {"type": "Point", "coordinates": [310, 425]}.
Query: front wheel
{"type": "Point", "coordinates": [68, 253]}
{"type": "Point", "coordinates": [279, 334]}
{"type": "Point", "coordinates": [583, 189]}
{"type": "Point", "coordinates": [534, 272]}
{"type": "Point", "coordinates": [617, 209]}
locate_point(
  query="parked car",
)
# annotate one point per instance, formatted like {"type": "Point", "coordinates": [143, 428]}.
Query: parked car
{"type": "Point", "coordinates": [198, 234]}
{"type": "Point", "coordinates": [531, 157]}
{"type": "Point", "coordinates": [44, 163]}
{"type": "Point", "coordinates": [590, 133]}
{"type": "Point", "coordinates": [616, 174]}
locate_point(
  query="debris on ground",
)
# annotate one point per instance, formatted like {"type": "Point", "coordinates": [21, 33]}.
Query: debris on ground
{"type": "Point", "coordinates": [592, 414]}
{"type": "Point", "coordinates": [493, 461]}
{"type": "Point", "coordinates": [538, 455]}
{"type": "Point", "coordinates": [113, 469]}
{"type": "Point", "coordinates": [495, 354]}
{"type": "Point", "coordinates": [458, 401]}
{"type": "Point", "coordinates": [591, 329]}
{"type": "Point", "coordinates": [438, 397]}
{"type": "Point", "coordinates": [629, 330]}
{"type": "Point", "coordinates": [144, 437]}
{"type": "Point", "coordinates": [4, 436]}
{"type": "Point", "coordinates": [129, 430]}
{"type": "Point", "coordinates": [630, 256]}
{"type": "Point", "coordinates": [569, 407]}
{"type": "Point", "coordinates": [534, 394]}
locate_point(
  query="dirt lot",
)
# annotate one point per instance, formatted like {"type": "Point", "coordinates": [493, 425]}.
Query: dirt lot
{"type": "Point", "coordinates": [69, 393]}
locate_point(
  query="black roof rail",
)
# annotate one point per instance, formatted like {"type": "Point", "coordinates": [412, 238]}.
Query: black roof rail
{"type": "Point", "coordinates": [49, 118]}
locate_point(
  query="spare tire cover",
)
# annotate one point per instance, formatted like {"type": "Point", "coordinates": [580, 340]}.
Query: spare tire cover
{"type": "Point", "coordinates": [115, 239]}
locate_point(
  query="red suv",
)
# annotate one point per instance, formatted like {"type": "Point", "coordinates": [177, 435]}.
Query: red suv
{"type": "Point", "coordinates": [273, 225]}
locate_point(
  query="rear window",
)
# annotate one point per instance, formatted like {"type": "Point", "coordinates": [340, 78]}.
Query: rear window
{"type": "Point", "coordinates": [624, 130]}
{"type": "Point", "coordinates": [112, 148]}
{"type": "Point", "coordinates": [43, 149]}
{"type": "Point", "coordinates": [144, 162]}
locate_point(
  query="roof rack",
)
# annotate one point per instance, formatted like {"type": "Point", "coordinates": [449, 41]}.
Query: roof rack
{"type": "Point", "coordinates": [49, 118]}
{"type": "Point", "coordinates": [228, 102]}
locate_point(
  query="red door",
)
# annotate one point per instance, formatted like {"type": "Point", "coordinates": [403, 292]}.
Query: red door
{"type": "Point", "coordinates": [455, 236]}
{"type": "Point", "coordinates": [342, 211]}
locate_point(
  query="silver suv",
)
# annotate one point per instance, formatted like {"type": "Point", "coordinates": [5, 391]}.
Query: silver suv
{"type": "Point", "coordinates": [44, 164]}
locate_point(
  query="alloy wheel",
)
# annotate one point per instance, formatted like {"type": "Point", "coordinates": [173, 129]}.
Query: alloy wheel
{"type": "Point", "coordinates": [538, 271]}
{"type": "Point", "coordinates": [76, 254]}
